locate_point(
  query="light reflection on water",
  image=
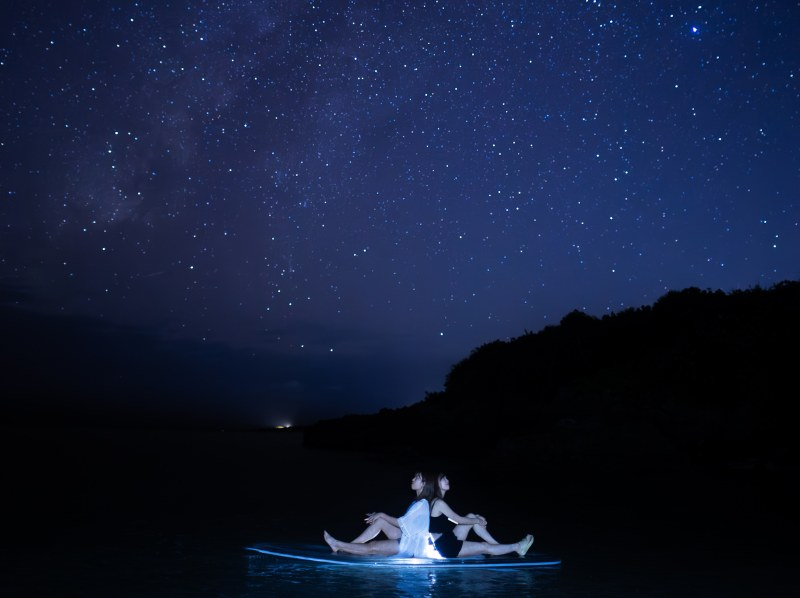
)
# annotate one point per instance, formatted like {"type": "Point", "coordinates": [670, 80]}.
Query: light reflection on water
{"type": "Point", "coordinates": [268, 575]}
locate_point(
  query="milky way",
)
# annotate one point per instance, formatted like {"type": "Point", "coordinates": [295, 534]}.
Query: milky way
{"type": "Point", "coordinates": [370, 190]}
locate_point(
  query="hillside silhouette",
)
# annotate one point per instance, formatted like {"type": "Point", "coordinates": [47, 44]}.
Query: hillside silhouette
{"type": "Point", "coordinates": [698, 377]}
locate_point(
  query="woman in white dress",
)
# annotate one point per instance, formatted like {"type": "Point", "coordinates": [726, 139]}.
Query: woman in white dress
{"type": "Point", "coordinates": [407, 535]}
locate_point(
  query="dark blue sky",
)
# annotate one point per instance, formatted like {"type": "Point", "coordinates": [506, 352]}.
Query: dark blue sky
{"type": "Point", "coordinates": [334, 202]}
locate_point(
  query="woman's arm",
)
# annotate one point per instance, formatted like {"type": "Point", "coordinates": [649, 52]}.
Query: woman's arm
{"type": "Point", "coordinates": [482, 519]}
{"type": "Point", "coordinates": [373, 517]}
{"type": "Point", "coordinates": [445, 509]}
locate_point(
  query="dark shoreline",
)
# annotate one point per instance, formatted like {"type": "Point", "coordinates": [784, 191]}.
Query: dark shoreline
{"type": "Point", "coordinates": [64, 473]}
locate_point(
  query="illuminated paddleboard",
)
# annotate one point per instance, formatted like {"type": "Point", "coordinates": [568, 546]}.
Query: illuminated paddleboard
{"type": "Point", "coordinates": [322, 554]}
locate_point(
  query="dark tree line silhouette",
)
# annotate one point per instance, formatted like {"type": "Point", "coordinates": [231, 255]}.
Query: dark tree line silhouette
{"type": "Point", "coordinates": [699, 376]}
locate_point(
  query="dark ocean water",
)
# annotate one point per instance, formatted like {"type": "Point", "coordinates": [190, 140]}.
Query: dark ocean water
{"type": "Point", "coordinates": [165, 513]}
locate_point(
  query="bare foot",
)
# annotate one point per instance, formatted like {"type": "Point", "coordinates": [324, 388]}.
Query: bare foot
{"type": "Point", "coordinates": [525, 545]}
{"type": "Point", "coordinates": [332, 542]}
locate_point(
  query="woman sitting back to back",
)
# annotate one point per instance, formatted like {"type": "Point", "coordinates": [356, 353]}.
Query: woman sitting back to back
{"type": "Point", "coordinates": [443, 525]}
{"type": "Point", "coordinates": [408, 534]}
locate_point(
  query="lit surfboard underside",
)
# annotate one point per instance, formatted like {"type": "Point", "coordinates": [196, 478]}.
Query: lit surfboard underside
{"type": "Point", "coordinates": [322, 554]}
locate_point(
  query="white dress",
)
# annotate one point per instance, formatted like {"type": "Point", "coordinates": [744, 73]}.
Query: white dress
{"type": "Point", "coordinates": [414, 527]}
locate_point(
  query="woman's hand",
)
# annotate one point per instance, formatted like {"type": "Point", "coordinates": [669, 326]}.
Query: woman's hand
{"type": "Point", "coordinates": [481, 519]}
{"type": "Point", "coordinates": [372, 517]}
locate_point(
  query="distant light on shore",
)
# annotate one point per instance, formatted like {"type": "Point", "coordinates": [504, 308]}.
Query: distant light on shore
{"type": "Point", "coordinates": [283, 427]}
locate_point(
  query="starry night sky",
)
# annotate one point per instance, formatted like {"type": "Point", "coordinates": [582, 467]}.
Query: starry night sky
{"type": "Point", "coordinates": [352, 196]}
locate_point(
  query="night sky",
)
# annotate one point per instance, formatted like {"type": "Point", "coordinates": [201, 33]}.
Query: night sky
{"type": "Point", "coordinates": [317, 208]}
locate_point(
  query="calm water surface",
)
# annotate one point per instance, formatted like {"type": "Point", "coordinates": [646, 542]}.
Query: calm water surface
{"type": "Point", "coordinates": [171, 514]}
{"type": "Point", "coordinates": [265, 576]}
{"type": "Point", "coordinates": [184, 566]}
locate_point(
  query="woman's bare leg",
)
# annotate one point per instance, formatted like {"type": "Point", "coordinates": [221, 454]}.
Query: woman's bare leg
{"type": "Point", "coordinates": [378, 547]}
{"type": "Point", "coordinates": [462, 531]}
{"type": "Point", "coordinates": [474, 548]}
{"type": "Point", "coordinates": [381, 525]}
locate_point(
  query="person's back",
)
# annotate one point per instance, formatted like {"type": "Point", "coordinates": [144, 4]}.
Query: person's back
{"type": "Point", "coordinates": [439, 524]}
{"type": "Point", "coordinates": [414, 526]}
